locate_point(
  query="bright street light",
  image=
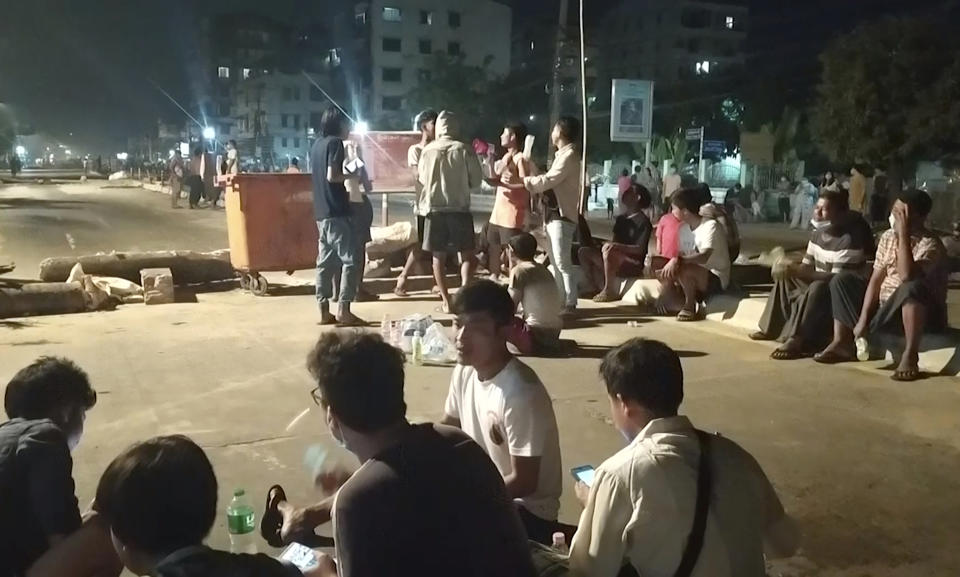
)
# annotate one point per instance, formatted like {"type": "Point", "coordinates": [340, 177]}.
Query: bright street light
{"type": "Point", "coordinates": [122, 156]}
{"type": "Point", "coordinates": [361, 127]}
{"type": "Point", "coordinates": [21, 150]}
{"type": "Point", "coordinates": [209, 133]}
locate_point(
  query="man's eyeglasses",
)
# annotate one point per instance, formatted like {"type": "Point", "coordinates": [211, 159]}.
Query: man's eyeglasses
{"type": "Point", "coordinates": [317, 397]}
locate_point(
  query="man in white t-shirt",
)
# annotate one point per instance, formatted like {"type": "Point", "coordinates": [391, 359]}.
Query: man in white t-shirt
{"type": "Point", "coordinates": [425, 123]}
{"type": "Point", "coordinates": [706, 271]}
{"type": "Point", "coordinates": [502, 405]}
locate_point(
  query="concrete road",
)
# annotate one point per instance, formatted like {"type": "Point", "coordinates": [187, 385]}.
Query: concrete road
{"type": "Point", "coordinates": [869, 468]}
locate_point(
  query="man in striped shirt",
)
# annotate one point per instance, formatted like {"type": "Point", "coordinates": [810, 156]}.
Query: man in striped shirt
{"type": "Point", "coordinates": [799, 308]}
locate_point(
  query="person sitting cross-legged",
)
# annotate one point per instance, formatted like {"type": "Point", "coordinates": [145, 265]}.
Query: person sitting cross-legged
{"type": "Point", "coordinates": [706, 271]}
{"type": "Point", "coordinates": [502, 404]}
{"type": "Point", "coordinates": [798, 311]}
{"type": "Point", "coordinates": [535, 294]}
{"type": "Point", "coordinates": [907, 291]}
{"type": "Point", "coordinates": [626, 254]}
{"type": "Point", "coordinates": [642, 507]}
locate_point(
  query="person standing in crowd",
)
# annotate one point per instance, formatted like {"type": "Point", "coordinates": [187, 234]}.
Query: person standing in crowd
{"type": "Point", "coordinates": [879, 201]}
{"type": "Point", "coordinates": [651, 181]}
{"type": "Point", "coordinates": [625, 256]}
{"type": "Point", "coordinates": [671, 183]}
{"type": "Point", "coordinates": [426, 500]}
{"type": "Point", "coordinates": [535, 295]}
{"type": "Point", "coordinates": [425, 123]}
{"type": "Point", "coordinates": [47, 403]}
{"type": "Point", "coordinates": [176, 178]}
{"type": "Point", "coordinates": [806, 197]}
{"type": "Point", "coordinates": [858, 189]}
{"type": "Point", "coordinates": [783, 199]}
{"type": "Point", "coordinates": [502, 405]}
{"type": "Point", "coordinates": [209, 174]}
{"type": "Point", "coordinates": [799, 311]}
{"type": "Point", "coordinates": [829, 182]}
{"type": "Point", "coordinates": [907, 291]}
{"type": "Point", "coordinates": [195, 180]}
{"type": "Point", "coordinates": [15, 165]}
{"type": "Point", "coordinates": [510, 206]}
{"type": "Point", "coordinates": [331, 209]}
{"type": "Point", "coordinates": [624, 182]}
{"type": "Point", "coordinates": [361, 213]}
{"type": "Point", "coordinates": [756, 203]}
{"type": "Point", "coordinates": [670, 478]}
{"type": "Point", "coordinates": [449, 171]}
{"type": "Point", "coordinates": [294, 167]}
{"type": "Point", "coordinates": [562, 187]}
{"type": "Point", "coordinates": [706, 271]}
{"type": "Point", "coordinates": [233, 158]}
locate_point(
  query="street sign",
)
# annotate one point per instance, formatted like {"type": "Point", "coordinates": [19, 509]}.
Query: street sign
{"type": "Point", "coordinates": [694, 133]}
{"type": "Point", "coordinates": [714, 146]}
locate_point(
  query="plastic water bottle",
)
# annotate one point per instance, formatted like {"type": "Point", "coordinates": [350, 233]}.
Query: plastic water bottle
{"type": "Point", "coordinates": [416, 348]}
{"type": "Point", "coordinates": [386, 329]}
{"type": "Point", "coordinates": [863, 350]}
{"type": "Point", "coordinates": [241, 524]}
{"type": "Point", "coordinates": [560, 543]}
{"type": "Point", "coordinates": [395, 333]}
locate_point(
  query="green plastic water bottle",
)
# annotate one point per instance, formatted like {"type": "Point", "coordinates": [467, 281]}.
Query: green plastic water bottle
{"type": "Point", "coordinates": [241, 524]}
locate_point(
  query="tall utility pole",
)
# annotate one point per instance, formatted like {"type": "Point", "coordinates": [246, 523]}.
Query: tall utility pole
{"type": "Point", "coordinates": [557, 70]}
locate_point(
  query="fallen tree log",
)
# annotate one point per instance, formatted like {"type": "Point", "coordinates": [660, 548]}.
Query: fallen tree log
{"type": "Point", "coordinates": [188, 267]}
{"type": "Point", "coordinates": [42, 299]}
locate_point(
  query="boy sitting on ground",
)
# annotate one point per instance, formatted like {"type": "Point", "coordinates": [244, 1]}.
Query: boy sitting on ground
{"type": "Point", "coordinates": [625, 256]}
{"type": "Point", "coordinates": [706, 271]}
{"type": "Point", "coordinates": [534, 292]}
{"type": "Point", "coordinates": [160, 499]}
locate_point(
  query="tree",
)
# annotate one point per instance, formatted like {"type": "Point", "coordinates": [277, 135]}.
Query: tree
{"type": "Point", "coordinates": [456, 86]}
{"type": "Point", "coordinates": [886, 92]}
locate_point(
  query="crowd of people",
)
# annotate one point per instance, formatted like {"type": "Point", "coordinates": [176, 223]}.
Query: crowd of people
{"type": "Point", "coordinates": [198, 175]}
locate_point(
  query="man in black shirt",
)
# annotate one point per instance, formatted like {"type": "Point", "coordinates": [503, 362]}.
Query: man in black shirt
{"type": "Point", "coordinates": [47, 403]}
{"type": "Point", "coordinates": [331, 207]}
{"type": "Point", "coordinates": [625, 256]}
{"type": "Point", "coordinates": [426, 500]}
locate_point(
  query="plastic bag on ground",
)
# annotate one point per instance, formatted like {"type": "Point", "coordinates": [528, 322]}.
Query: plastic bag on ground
{"type": "Point", "coordinates": [438, 346]}
{"type": "Point", "coordinates": [409, 326]}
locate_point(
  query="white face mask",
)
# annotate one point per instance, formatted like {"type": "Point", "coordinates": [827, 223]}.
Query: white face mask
{"type": "Point", "coordinates": [819, 224]}
{"type": "Point", "coordinates": [893, 221]}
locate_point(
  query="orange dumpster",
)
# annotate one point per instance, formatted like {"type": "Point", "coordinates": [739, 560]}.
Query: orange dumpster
{"type": "Point", "coordinates": [270, 225]}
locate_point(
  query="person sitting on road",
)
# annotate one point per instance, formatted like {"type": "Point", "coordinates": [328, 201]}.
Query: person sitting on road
{"type": "Point", "coordinates": [426, 500]}
{"type": "Point", "coordinates": [703, 273]}
{"type": "Point", "coordinates": [626, 255]}
{"type": "Point", "coordinates": [47, 402]}
{"type": "Point", "coordinates": [159, 498]}
{"type": "Point", "coordinates": [535, 294]}
{"type": "Point", "coordinates": [501, 403]}
{"type": "Point", "coordinates": [798, 311]}
{"type": "Point", "coordinates": [907, 291]}
{"type": "Point", "coordinates": [643, 501]}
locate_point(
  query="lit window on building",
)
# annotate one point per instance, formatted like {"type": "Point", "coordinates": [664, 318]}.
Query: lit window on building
{"type": "Point", "coordinates": [426, 18]}
{"type": "Point", "coordinates": [360, 15]}
{"type": "Point", "coordinates": [223, 72]}
{"type": "Point", "coordinates": [704, 67]}
{"type": "Point", "coordinates": [730, 22]}
{"type": "Point", "coordinates": [246, 73]}
{"type": "Point", "coordinates": [391, 14]}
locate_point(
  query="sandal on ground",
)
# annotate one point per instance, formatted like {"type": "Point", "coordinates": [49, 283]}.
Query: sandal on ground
{"type": "Point", "coordinates": [272, 520]}
{"type": "Point", "coordinates": [759, 336]}
{"type": "Point", "coordinates": [833, 358]}
{"type": "Point", "coordinates": [687, 316]}
{"type": "Point", "coordinates": [786, 355]}
{"type": "Point", "coordinates": [907, 376]}
{"type": "Point", "coordinates": [603, 297]}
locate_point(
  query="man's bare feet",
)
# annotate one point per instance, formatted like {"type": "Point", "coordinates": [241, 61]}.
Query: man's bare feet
{"type": "Point", "coordinates": [326, 318]}
{"type": "Point", "coordinates": [790, 350]}
{"type": "Point", "coordinates": [836, 352]}
{"type": "Point", "coordinates": [605, 297]}
{"type": "Point", "coordinates": [908, 370]}
{"type": "Point", "coordinates": [348, 319]}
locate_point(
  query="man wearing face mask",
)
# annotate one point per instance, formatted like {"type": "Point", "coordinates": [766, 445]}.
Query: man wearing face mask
{"type": "Point", "coordinates": [426, 500]}
{"type": "Point", "coordinates": [798, 312]}
{"type": "Point", "coordinates": [644, 500]}
{"type": "Point", "coordinates": [47, 403]}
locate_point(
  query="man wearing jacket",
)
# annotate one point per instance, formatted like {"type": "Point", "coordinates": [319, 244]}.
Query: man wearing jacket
{"type": "Point", "coordinates": [449, 171]}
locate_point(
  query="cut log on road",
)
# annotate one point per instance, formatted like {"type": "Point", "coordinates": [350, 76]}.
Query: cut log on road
{"type": "Point", "coordinates": [42, 299]}
{"type": "Point", "coordinates": [188, 267]}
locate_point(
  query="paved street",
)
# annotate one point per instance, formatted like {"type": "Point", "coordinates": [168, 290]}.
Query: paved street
{"type": "Point", "coordinates": [867, 467]}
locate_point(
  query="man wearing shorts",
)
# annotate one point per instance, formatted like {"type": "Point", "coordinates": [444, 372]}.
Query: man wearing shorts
{"type": "Point", "coordinates": [704, 272]}
{"type": "Point", "coordinates": [510, 207]}
{"type": "Point", "coordinates": [425, 123]}
{"type": "Point", "coordinates": [448, 172]}
{"type": "Point", "coordinates": [625, 256]}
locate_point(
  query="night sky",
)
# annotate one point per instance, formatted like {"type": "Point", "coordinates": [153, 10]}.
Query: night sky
{"type": "Point", "coordinates": [68, 67]}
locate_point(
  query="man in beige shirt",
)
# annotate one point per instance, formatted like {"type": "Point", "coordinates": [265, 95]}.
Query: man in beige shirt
{"type": "Point", "coordinates": [565, 180]}
{"type": "Point", "coordinates": [858, 190]}
{"type": "Point", "coordinates": [639, 509]}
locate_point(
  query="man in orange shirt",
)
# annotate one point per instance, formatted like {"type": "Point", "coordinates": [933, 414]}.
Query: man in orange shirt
{"type": "Point", "coordinates": [510, 207]}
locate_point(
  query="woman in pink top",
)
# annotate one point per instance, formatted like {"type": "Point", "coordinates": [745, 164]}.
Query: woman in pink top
{"type": "Point", "coordinates": [510, 207]}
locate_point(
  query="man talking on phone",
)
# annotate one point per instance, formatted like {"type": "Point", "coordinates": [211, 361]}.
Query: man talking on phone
{"type": "Point", "coordinates": [674, 501]}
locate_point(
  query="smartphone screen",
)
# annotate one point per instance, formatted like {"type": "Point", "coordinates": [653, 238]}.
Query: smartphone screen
{"type": "Point", "coordinates": [301, 556]}
{"type": "Point", "coordinates": [584, 474]}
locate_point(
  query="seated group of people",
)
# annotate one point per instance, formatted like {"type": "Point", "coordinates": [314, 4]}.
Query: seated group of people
{"type": "Point", "coordinates": [459, 497]}
{"type": "Point", "coordinates": [823, 305]}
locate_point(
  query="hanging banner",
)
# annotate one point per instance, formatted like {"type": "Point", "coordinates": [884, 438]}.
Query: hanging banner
{"type": "Point", "coordinates": [631, 110]}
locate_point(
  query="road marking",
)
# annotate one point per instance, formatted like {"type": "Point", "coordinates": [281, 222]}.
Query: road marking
{"type": "Point", "coordinates": [70, 241]}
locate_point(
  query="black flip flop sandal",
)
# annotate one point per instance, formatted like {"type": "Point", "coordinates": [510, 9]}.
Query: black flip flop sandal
{"type": "Point", "coordinates": [272, 520]}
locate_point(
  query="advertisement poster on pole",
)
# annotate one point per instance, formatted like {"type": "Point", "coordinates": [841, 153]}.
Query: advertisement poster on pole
{"type": "Point", "coordinates": [631, 110]}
